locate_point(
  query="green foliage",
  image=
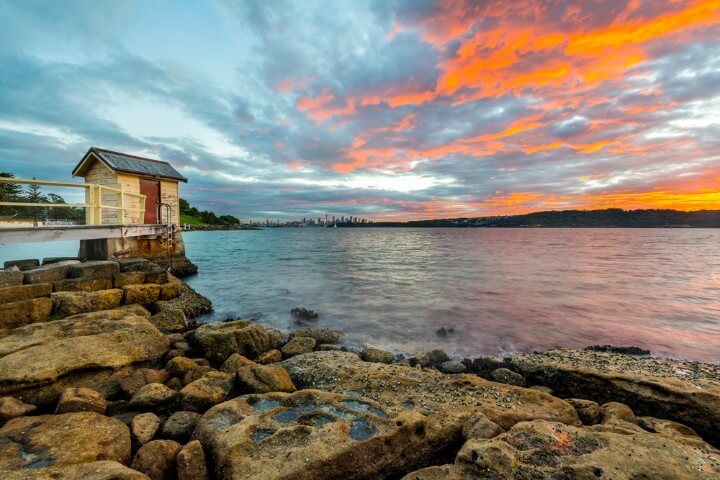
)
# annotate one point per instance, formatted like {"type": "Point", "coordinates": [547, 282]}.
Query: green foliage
{"type": "Point", "coordinates": [192, 216]}
{"type": "Point", "coordinates": [9, 192]}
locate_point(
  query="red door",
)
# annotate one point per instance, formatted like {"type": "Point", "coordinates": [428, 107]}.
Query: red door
{"type": "Point", "coordinates": [151, 190]}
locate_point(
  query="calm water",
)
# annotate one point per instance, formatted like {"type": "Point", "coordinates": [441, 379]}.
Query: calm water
{"type": "Point", "coordinates": [502, 290]}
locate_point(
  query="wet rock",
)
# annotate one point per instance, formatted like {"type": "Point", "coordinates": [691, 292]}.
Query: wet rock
{"type": "Point", "coordinates": [157, 275]}
{"type": "Point", "coordinates": [589, 412]}
{"type": "Point", "coordinates": [313, 435]}
{"type": "Point", "coordinates": [620, 350]}
{"type": "Point", "coordinates": [93, 268]}
{"type": "Point", "coordinates": [79, 399]}
{"type": "Point", "coordinates": [156, 459]}
{"type": "Point", "coordinates": [73, 303]}
{"type": "Point", "coordinates": [171, 289]}
{"type": "Point", "coordinates": [196, 374]}
{"type": "Point", "coordinates": [85, 284]}
{"type": "Point", "coordinates": [11, 407]}
{"type": "Point", "coordinates": [686, 392]}
{"type": "Point", "coordinates": [271, 356]}
{"type": "Point", "coordinates": [18, 314]}
{"type": "Point", "coordinates": [180, 425]}
{"type": "Point", "coordinates": [298, 346]}
{"type": "Point", "coordinates": [190, 462]}
{"type": "Point", "coordinates": [153, 396]}
{"type": "Point", "coordinates": [25, 292]}
{"type": "Point", "coordinates": [321, 335]}
{"type": "Point", "coordinates": [444, 332]}
{"type": "Point", "coordinates": [175, 383]}
{"type": "Point", "coordinates": [189, 301]}
{"type": "Point", "coordinates": [436, 357]}
{"type": "Point", "coordinates": [303, 314]}
{"type": "Point", "coordinates": [219, 341]}
{"type": "Point", "coordinates": [370, 354]}
{"type": "Point", "coordinates": [38, 361]}
{"type": "Point", "coordinates": [479, 426]}
{"type": "Point", "coordinates": [211, 389]}
{"type": "Point", "coordinates": [116, 407]}
{"type": "Point", "coordinates": [144, 294]}
{"type": "Point", "coordinates": [11, 278]}
{"type": "Point", "coordinates": [56, 440]}
{"type": "Point", "coordinates": [144, 427]}
{"type": "Point", "coordinates": [255, 378]}
{"type": "Point", "coordinates": [484, 365]}
{"type": "Point", "coordinates": [503, 375]}
{"type": "Point", "coordinates": [548, 450]}
{"type": "Point", "coordinates": [179, 366]}
{"type": "Point", "coordinates": [101, 470]}
{"type": "Point", "coordinates": [128, 278]}
{"type": "Point", "coordinates": [170, 320]}
{"type": "Point", "coordinates": [141, 377]}
{"type": "Point", "coordinates": [328, 347]}
{"type": "Point", "coordinates": [452, 366]}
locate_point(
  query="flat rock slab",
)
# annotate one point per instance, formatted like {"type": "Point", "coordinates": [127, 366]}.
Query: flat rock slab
{"type": "Point", "coordinates": [39, 360]}
{"type": "Point", "coordinates": [144, 294]}
{"type": "Point", "coordinates": [24, 264]}
{"type": "Point", "coordinates": [220, 340]}
{"type": "Point", "coordinates": [313, 435]}
{"type": "Point", "coordinates": [46, 273]}
{"type": "Point", "coordinates": [18, 314]}
{"type": "Point", "coordinates": [56, 440]}
{"type": "Point", "coordinates": [93, 268]}
{"type": "Point", "coordinates": [102, 470]}
{"type": "Point", "coordinates": [11, 278]}
{"type": "Point", "coordinates": [687, 392]}
{"type": "Point", "coordinates": [73, 303]}
{"type": "Point", "coordinates": [549, 450]}
{"type": "Point", "coordinates": [84, 284]}
{"type": "Point", "coordinates": [450, 398]}
{"type": "Point", "coordinates": [24, 292]}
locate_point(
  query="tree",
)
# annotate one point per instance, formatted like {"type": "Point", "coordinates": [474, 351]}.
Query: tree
{"type": "Point", "coordinates": [9, 192]}
{"type": "Point", "coordinates": [34, 195]}
{"type": "Point", "coordinates": [229, 220]}
{"type": "Point", "coordinates": [184, 206]}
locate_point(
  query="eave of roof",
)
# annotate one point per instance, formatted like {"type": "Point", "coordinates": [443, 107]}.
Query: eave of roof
{"type": "Point", "coordinates": [97, 153]}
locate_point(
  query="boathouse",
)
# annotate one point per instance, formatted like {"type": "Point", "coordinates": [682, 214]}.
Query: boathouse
{"type": "Point", "coordinates": [157, 180]}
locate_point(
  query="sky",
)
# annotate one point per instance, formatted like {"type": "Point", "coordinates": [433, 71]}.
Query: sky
{"type": "Point", "coordinates": [384, 109]}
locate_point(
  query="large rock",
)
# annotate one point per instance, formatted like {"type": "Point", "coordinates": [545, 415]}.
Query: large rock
{"type": "Point", "coordinates": [12, 408]}
{"type": "Point", "coordinates": [156, 459]}
{"type": "Point", "coordinates": [687, 392]}
{"type": "Point", "coordinates": [79, 399]}
{"type": "Point", "coordinates": [189, 301]}
{"type": "Point", "coordinates": [25, 292]}
{"type": "Point", "coordinates": [17, 314]}
{"type": "Point", "coordinates": [144, 294]}
{"type": "Point", "coordinates": [548, 450]}
{"type": "Point", "coordinates": [73, 303]}
{"type": "Point", "coordinates": [56, 440]}
{"type": "Point", "coordinates": [190, 462]}
{"type": "Point", "coordinates": [298, 346]}
{"type": "Point", "coordinates": [11, 278]}
{"type": "Point", "coordinates": [46, 273]}
{"type": "Point", "coordinates": [220, 340]}
{"type": "Point", "coordinates": [39, 361]}
{"type": "Point", "coordinates": [170, 289]}
{"type": "Point", "coordinates": [128, 278]}
{"type": "Point", "coordinates": [93, 268]}
{"type": "Point", "coordinates": [23, 264]}
{"type": "Point", "coordinates": [321, 335]}
{"type": "Point", "coordinates": [153, 396]}
{"type": "Point", "coordinates": [313, 435]}
{"type": "Point", "coordinates": [180, 425]}
{"type": "Point", "coordinates": [84, 284]}
{"type": "Point", "coordinates": [255, 378]}
{"type": "Point", "coordinates": [101, 470]}
{"type": "Point", "coordinates": [144, 427]}
{"type": "Point", "coordinates": [371, 354]}
{"type": "Point", "coordinates": [170, 320]}
{"type": "Point", "coordinates": [141, 377]}
{"type": "Point", "coordinates": [211, 389]}
{"type": "Point", "coordinates": [450, 399]}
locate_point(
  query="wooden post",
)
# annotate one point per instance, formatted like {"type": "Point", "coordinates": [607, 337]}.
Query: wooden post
{"type": "Point", "coordinates": [121, 204]}
{"type": "Point", "coordinates": [95, 210]}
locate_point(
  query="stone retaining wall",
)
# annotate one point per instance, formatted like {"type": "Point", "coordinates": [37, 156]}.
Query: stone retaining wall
{"type": "Point", "coordinates": [60, 287]}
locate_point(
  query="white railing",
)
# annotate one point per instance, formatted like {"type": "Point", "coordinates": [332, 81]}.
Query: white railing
{"type": "Point", "coordinates": [93, 199]}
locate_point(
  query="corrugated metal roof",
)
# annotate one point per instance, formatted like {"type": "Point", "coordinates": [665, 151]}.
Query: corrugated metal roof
{"type": "Point", "coordinates": [127, 163]}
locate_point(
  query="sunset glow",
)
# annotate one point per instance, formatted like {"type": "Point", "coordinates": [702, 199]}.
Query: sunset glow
{"type": "Point", "coordinates": [387, 110]}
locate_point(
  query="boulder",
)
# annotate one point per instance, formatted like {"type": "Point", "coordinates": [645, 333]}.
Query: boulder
{"type": "Point", "coordinates": [686, 392]}
{"type": "Point", "coordinates": [24, 264]}
{"type": "Point", "coordinates": [484, 365]}
{"type": "Point", "coordinates": [101, 470]}
{"type": "Point", "coordinates": [190, 462]}
{"type": "Point", "coordinates": [25, 292]}
{"type": "Point", "coordinates": [111, 313]}
{"type": "Point", "coordinates": [588, 411]}
{"type": "Point", "coordinates": [144, 294]}
{"type": "Point", "coordinates": [271, 356]}
{"type": "Point", "coordinates": [189, 301]}
{"type": "Point", "coordinates": [128, 278]}
{"type": "Point", "coordinates": [170, 320]}
{"type": "Point", "coordinates": [144, 426]}
{"type": "Point", "coordinates": [447, 399]}
{"type": "Point", "coordinates": [504, 375]}
{"type": "Point", "coordinates": [156, 275]}
{"type": "Point", "coordinates": [219, 341]}
{"type": "Point", "coordinates": [480, 426]}
{"type": "Point", "coordinates": [180, 425]}
{"type": "Point", "coordinates": [18, 314]}
{"type": "Point", "coordinates": [170, 289]}
{"type": "Point", "coordinates": [84, 284]}
{"type": "Point", "coordinates": [452, 366]}
{"type": "Point", "coordinates": [255, 378]}
{"type": "Point", "coordinates": [156, 459]}
{"type": "Point", "coordinates": [93, 268]}
{"type": "Point", "coordinates": [135, 264]}
{"type": "Point", "coordinates": [298, 346]}
{"type": "Point", "coordinates": [57, 440]}
{"type": "Point", "coordinates": [153, 396]}
{"type": "Point", "coordinates": [46, 273]}
{"type": "Point", "coordinates": [541, 449]}
{"type": "Point", "coordinates": [370, 354]}
{"type": "Point", "coordinates": [141, 377]}
{"type": "Point", "coordinates": [11, 278]}
{"type": "Point", "coordinates": [211, 389]}
{"type": "Point", "coordinates": [11, 407]}
{"type": "Point", "coordinates": [321, 335]}
{"type": "Point", "coordinates": [180, 366]}
{"type": "Point", "coordinates": [49, 260]}
{"type": "Point", "coordinates": [79, 399]}
{"type": "Point", "coordinates": [196, 374]}
{"type": "Point", "coordinates": [40, 360]}
{"type": "Point", "coordinates": [73, 303]}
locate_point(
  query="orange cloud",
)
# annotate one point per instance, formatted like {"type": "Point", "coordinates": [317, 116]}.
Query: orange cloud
{"type": "Point", "coordinates": [322, 107]}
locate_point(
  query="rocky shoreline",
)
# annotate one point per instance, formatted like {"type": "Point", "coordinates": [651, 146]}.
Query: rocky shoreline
{"type": "Point", "coordinates": [105, 376]}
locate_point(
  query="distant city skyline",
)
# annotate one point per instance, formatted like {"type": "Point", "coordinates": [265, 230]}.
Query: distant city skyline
{"type": "Point", "coordinates": [385, 110]}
